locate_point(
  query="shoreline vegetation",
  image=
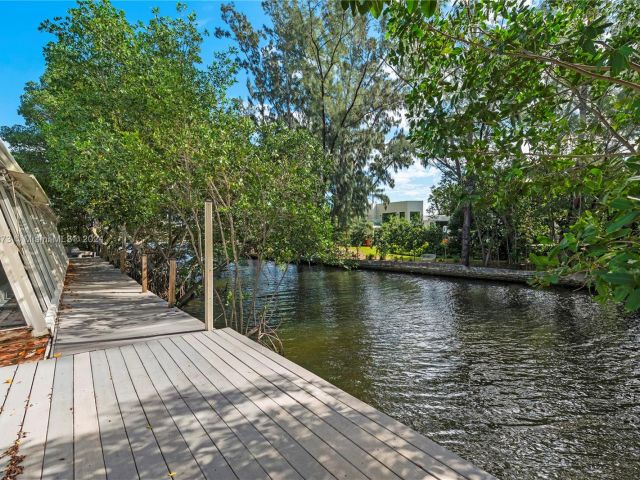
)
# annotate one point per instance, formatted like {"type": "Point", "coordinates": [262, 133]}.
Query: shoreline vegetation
{"type": "Point", "coordinates": [455, 270]}
{"type": "Point", "coordinates": [518, 122]}
{"type": "Point", "coordinates": [530, 122]}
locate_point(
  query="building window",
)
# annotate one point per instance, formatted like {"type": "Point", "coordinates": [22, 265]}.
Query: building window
{"type": "Point", "coordinates": [415, 216]}
{"type": "Point", "coordinates": [387, 216]}
{"type": "Point", "coordinates": [401, 215]}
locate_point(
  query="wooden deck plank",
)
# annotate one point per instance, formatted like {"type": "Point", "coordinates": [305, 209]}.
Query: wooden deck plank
{"type": "Point", "coordinates": [6, 378]}
{"type": "Point", "coordinates": [15, 409]}
{"type": "Point", "coordinates": [373, 447]}
{"type": "Point", "coordinates": [116, 449]}
{"type": "Point", "coordinates": [174, 449]}
{"type": "Point", "coordinates": [211, 462]}
{"type": "Point", "coordinates": [204, 450]}
{"type": "Point", "coordinates": [237, 411]}
{"type": "Point", "coordinates": [58, 454]}
{"type": "Point", "coordinates": [149, 460]}
{"type": "Point", "coordinates": [88, 459]}
{"type": "Point", "coordinates": [335, 451]}
{"type": "Point", "coordinates": [104, 308]}
{"type": "Point", "coordinates": [285, 433]}
{"type": "Point", "coordinates": [375, 422]}
{"type": "Point", "coordinates": [406, 454]}
{"type": "Point", "coordinates": [174, 446]}
{"type": "Point", "coordinates": [36, 421]}
{"type": "Point", "coordinates": [201, 402]}
{"type": "Point", "coordinates": [355, 416]}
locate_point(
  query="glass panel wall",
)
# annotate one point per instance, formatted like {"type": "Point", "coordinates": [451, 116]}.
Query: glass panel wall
{"type": "Point", "coordinates": [33, 231]}
{"type": "Point", "coordinates": [10, 314]}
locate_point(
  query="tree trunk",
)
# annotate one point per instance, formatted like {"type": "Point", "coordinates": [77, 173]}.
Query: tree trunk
{"type": "Point", "coordinates": [480, 240]}
{"type": "Point", "coordinates": [552, 230]}
{"type": "Point", "coordinates": [486, 259]}
{"type": "Point", "coordinates": [465, 251]}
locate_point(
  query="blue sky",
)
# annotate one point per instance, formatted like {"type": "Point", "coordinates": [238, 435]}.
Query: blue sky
{"type": "Point", "coordinates": [21, 61]}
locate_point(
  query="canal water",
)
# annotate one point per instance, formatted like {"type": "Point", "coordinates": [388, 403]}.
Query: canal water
{"type": "Point", "coordinates": [523, 383]}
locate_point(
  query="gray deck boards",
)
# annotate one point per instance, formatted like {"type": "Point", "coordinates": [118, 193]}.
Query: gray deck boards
{"type": "Point", "coordinates": [13, 411]}
{"type": "Point", "coordinates": [199, 405]}
{"type": "Point", "coordinates": [103, 308]}
{"type": "Point", "coordinates": [204, 405]}
{"type": "Point", "coordinates": [35, 421]}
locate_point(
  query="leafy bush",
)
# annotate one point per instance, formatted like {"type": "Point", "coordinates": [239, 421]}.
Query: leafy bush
{"type": "Point", "coordinates": [402, 237]}
{"type": "Point", "coordinates": [360, 232]}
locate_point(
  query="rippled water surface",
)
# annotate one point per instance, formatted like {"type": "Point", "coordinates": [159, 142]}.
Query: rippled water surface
{"type": "Point", "coordinates": [523, 383]}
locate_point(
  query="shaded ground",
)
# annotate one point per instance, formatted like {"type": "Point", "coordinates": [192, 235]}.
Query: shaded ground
{"type": "Point", "coordinates": [18, 346]}
{"type": "Point", "coordinates": [10, 315]}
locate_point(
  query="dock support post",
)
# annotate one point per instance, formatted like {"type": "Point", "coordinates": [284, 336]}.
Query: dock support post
{"type": "Point", "coordinates": [143, 274]}
{"type": "Point", "coordinates": [123, 260]}
{"type": "Point", "coordinates": [208, 265]}
{"type": "Point", "coordinates": [172, 282]}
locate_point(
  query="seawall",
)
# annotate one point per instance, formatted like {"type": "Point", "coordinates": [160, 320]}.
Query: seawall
{"type": "Point", "coordinates": [460, 271]}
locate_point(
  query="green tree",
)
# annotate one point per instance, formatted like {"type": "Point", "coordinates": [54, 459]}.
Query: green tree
{"type": "Point", "coordinates": [542, 100]}
{"type": "Point", "coordinates": [402, 237]}
{"type": "Point", "coordinates": [29, 148]}
{"type": "Point", "coordinates": [138, 134]}
{"type": "Point", "coordinates": [322, 69]}
{"type": "Point", "coordinates": [360, 231]}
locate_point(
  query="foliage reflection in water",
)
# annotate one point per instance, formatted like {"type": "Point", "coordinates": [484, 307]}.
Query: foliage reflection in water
{"type": "Point", "coordinates": [524, 383]}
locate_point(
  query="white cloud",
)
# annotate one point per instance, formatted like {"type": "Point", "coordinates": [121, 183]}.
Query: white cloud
{"type": "Point", "coordinates": [402, 122]}
{"type": "Point", "coordinates": [203, 22]}
{"type": "Point", "coordinates": [413, 183]}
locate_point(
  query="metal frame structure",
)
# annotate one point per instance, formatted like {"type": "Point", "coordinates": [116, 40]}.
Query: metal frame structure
{"type": "Point", "coordinates": [31, 250]}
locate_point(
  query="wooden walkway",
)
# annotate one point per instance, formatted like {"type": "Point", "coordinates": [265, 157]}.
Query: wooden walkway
{"type": "Point", "coordinates": [102, 308]}
{"type": "Point", "coordinates": [203, 405]}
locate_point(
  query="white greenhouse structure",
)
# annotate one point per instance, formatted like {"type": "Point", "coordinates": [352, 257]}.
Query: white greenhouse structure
{"type": "Point", "coordinates": [32, 256]}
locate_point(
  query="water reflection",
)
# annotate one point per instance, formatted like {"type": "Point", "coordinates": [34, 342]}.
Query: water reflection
{"type": "Point", "coordinates": [524, 383]}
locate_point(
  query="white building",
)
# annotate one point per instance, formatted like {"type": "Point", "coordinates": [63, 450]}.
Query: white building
{"type": "Point", "coordinates": [440, 220]}
{"type": "Point", "coordinates": [407, 210]}
{"type": "Point", "coordinates": [411, 210]}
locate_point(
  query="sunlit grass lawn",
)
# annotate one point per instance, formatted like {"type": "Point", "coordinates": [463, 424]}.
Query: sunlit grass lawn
{"type": "Point", "coordinates": [367, 251]}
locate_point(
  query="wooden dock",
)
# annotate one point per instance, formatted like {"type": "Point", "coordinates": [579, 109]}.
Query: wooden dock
{"type": "Point", "coordinates": [102, 308]}
{"type": "Point", "coordinates": [203, 405]}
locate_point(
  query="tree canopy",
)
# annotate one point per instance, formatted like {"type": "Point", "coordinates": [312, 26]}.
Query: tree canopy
{"type": "Point", "coordinates": [139, 133]}
{"type": "Point", "coordinates": [531, 112]}
{"type": "Point", "coordinates": [319, 68]}
{"type": "Point", "coordinates": [529, 109]}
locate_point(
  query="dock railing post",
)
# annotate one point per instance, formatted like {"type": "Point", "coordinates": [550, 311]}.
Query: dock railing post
{"type": "Point", "coordinates": [123, 260]}
{"type": "Point", "coordinates": [143, 274]}
{"type": "Point", "coordinates": [208, 265]}
{"type": "Point", "coordinates": [172, 282]}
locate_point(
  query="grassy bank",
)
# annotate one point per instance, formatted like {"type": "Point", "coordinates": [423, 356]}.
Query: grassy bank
{"type": "Point", "coordinates": [366, 252]}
